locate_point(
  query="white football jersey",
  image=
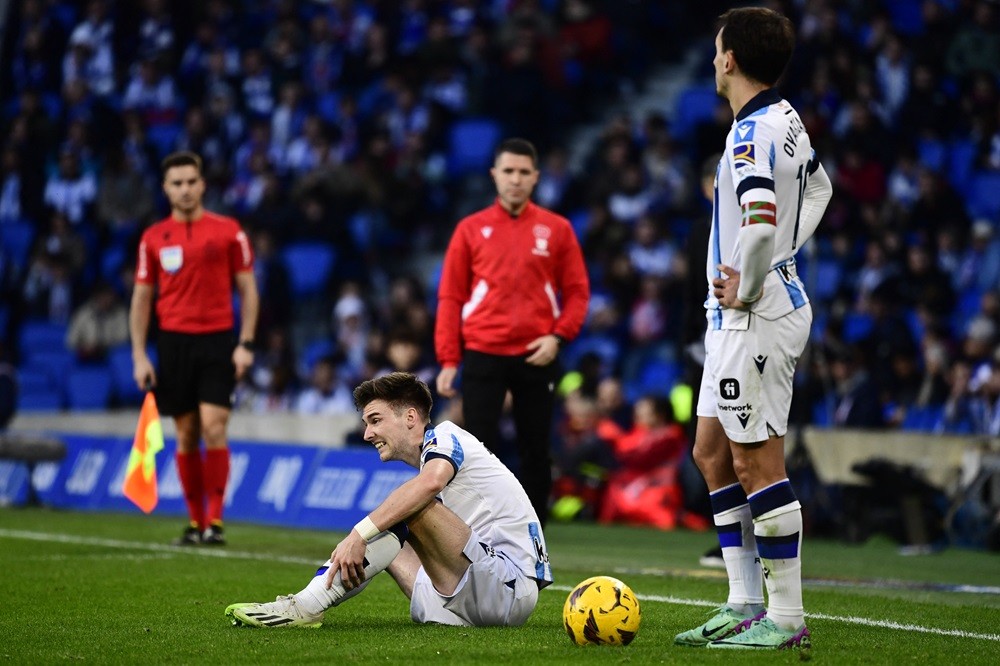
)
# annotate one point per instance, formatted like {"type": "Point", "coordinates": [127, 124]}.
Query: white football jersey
{"type": "Point", "coordinates": [489, 498]}
{"type": "Point", "coordinates": [761, 179]}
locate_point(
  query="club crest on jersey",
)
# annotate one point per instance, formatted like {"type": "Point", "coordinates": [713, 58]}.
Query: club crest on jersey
{"type": "Point", "coordinates": [430, 439]}
{"type": "Point", "coordinates": [743, 155]}
{"type": "Point", "coordinates": [172, 258]}
{"type": "Point", "coordinates": [744, 131]}
{"type": "Point", "coordinates": [542, 235]}
{"type": "Point", "coordinates": [487, 231]}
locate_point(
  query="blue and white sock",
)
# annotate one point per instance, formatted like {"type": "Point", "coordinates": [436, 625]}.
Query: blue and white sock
{"type": "Point", "coordinates": [734, 526]}
{"type": "Point", "coordinates": [777, 519]}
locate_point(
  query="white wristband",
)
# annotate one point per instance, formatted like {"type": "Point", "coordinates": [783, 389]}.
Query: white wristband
{"type": "Point", "coordinates": [367, 529]}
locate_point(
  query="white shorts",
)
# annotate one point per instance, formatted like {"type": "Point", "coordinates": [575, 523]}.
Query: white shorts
{"type": "Point", "coordinates": [493, 592]}
{"type": "Point", "coordinates": [747, 383]}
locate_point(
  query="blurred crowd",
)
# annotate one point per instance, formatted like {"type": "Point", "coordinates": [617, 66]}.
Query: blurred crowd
{"type": "Point", "coordinates": [327, 121]}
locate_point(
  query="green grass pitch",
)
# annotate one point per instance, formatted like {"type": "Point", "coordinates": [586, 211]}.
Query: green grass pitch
{"type": "Point", "coordinates": [104, 588]}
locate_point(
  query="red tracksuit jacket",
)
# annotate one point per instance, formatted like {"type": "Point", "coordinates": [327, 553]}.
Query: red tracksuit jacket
{"type": "Point", "coordinates": [506, 281]}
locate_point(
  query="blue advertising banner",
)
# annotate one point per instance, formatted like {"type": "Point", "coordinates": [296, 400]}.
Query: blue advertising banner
{"type": "Point", "coordinates": [278, 484]}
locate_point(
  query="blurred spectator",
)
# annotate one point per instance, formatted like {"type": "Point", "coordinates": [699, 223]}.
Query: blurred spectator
{"type": "Point", "coordinates": [980, 265]}
{"type": "Point", "coordinates": [152, 95]}
{"type": "Point", "coordinates": [558, 189]}
{"type": "Point", "coordinates": [63, 240]}
{"type": "Point", "coordinates": [351, 328]}
{"type": "Point", "coordinates": [583, 457]}
{"type": "Point", "coordinates": [49, 289]}
{"type": "Point", "coordinates": [70, 191]}
{"type": "Point", "coordinates": [649, 252]}
{"type": "Point", "coordinates": [327, 394]}
{"type": "Point", "coordinates": [857, 399]}
{"type": "Point", "coordinates": [273, 283]}
{"type": "Point", "coordinates": [98, 325]}
{"type": "Point", "coordinates": [124, 196]}
{"type": "Point", "coordinates": [977, 44]}
{"type": "Point", "coordinates": [404, 353]}
{"type": "Point", "coordinates": [645, 490]}
{"type": "Point", "coordinates": [12, 192]}
{"type": "Point", "coordinates": [8, 389]}
{"type": "Point", "coordinates": [90, 57]}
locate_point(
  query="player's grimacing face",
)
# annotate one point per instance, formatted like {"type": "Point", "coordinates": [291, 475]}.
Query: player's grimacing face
{"type": "Point", "coordinates": [385, 429]}
{"type": "Point", "coordinates": [515, 177]}
{"type": "Point", "coordinates": [184, 187]}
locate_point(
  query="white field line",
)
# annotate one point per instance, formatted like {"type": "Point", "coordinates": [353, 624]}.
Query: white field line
{"type": "Point", "coordinates": [240, 555]}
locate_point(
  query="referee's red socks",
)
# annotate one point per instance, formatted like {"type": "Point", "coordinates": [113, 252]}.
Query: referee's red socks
{"type": "Point", "coordinates": [216, 476]}
{"type": "Point", "coordinates": [189, 470]}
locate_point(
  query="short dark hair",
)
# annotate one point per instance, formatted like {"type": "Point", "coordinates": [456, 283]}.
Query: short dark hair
{"type": "Point", "coordinates": [399, 389]}
{"type": "Point", "coordinates": [762, 41]}
{"type": "Point", "coordinates": [517, 147]}
{"type": "Point", "coordinates": [180, 158]}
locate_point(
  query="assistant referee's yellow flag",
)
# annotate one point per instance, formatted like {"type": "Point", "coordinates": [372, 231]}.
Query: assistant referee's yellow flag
{"type": "Point", "coordinates": [140, 477]}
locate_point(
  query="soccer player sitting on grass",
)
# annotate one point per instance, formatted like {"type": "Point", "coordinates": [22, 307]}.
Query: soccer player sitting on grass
{"type": "Point", "coordinates": [461, 538]}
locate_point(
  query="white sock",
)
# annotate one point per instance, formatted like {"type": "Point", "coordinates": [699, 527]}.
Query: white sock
{"type": "Point", "coordinates": [778, 528]}
{"type": "Point", "coordinates": [380, 552]}
{"type": "Point", "coordinates": [734, 526]}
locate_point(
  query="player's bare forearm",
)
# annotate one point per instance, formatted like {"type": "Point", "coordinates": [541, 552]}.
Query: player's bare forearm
{"type": "Point", "coordinates": [246, 286]}
{"type": "Point", "coordinates": [412, 496]}
{"type": "Point", "coordinates": [726, 288]}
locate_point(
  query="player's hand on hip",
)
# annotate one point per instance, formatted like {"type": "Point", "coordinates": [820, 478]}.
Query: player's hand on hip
{"type": "Point", "coordinates": [143, 373]}
{"type": "Point", "coordinates": [349, 559]}
{"type": "Point", "coordinates": [446, 381]}
{"type": "Point", "coordinates": [725, 288]}
{"type": "Point", "coordinates": [544, 350]}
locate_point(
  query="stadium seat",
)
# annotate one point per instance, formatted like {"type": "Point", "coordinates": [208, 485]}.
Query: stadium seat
{"type": "Point", "coordinates": [328, 106]}
{"type": "Point", "coordinates": [608, 349]}
{"type": "Point", "coordinates": [164, 137]}
{"type": "Point", "coordinates": [923, 419]}
{"type": "Point", "coordinates": [88, 388]}
{"type": "Point", "coordinates": [984, 195]}
{"type": "Point", "coordinates": [41, 336]}
{"type": "Point", "coordinates": [961, 159]}
{"type": "Point", "coordinates": [659, 377]}
{"type": "Point", "coordinates": [933, 154]}
{"type": "Point", "coordinates": [309, 265]}
{"type": "Point", "coordinates": [821, 416]}
{"type": "Point", "coordinates": [857, 327]}
{"type": "Point", "coordinates": [111, 262]}
{"type": "Point", "coordinates": [470, 145]}
{"type": "Point", "coordinates": [906, 15]}
{"type": "Point", "coordinates": [580, 219]}
{"type": "Point", "coordinates": [40, 401]}
{"type": "Point", "coordinates": [122, 384]}
{"type": "Point", "coordinates": [56, 363]}
{"type": "Point", "coordinates": [34, 379]}
{"type": "Point", "coordinates": [313, 352]}
{"type": "Point", "coordinates": [828, 275]}
{"type": "Point", "coordinates": [694, 105]}
{"type": "Point", "coordinates": [16, 239]}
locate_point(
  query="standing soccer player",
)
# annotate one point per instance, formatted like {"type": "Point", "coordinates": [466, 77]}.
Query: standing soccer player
{"type": "Point", "coordinates": [194, 259]}
{"type": "Point", "coordinates": [514, 288]}
{"type": "Point", "coordinates": [770, 193]}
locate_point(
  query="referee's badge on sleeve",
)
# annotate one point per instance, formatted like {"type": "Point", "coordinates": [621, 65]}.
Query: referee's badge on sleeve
{"type": "Point", "coordinates": [172, 258]}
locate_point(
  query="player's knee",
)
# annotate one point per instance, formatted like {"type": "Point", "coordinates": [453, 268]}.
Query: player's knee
{"type": "Point", "coordinates": [214, 433]}
{"type": "Point", "coordinates": [709, 458]}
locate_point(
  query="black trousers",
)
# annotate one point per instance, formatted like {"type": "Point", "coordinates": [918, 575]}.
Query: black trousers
{"type": "Point", "coordinates": [486, 378]}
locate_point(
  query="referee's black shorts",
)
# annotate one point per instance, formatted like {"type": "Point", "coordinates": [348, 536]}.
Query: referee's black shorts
{"type": "Point", "coordinates": [194, 368]}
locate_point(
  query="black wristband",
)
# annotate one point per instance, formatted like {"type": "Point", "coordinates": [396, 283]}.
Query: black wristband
{"type": "Point", "coordinates": [246, 344]}
{"type": "Point", "coordinates": [559, 339]}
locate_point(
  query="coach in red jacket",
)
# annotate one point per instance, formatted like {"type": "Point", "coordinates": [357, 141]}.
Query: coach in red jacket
{"type": "Point", "coordinates": [513, 289]}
